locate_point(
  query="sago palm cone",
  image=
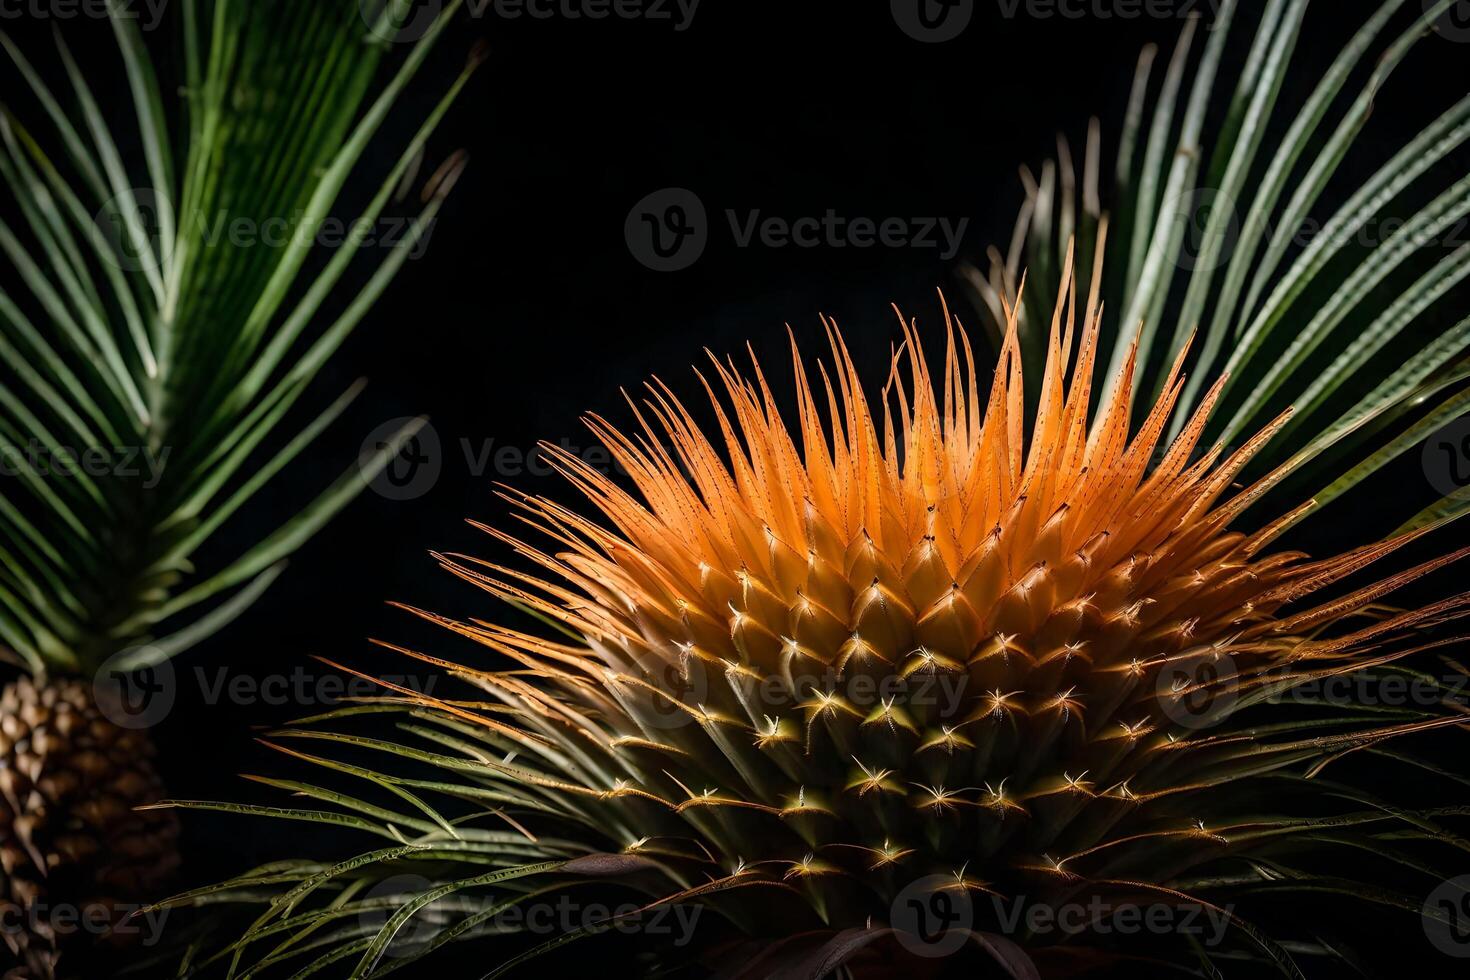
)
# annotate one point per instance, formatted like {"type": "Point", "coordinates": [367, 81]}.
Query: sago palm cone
{"type": "Point", "coordinates": [915, 646]}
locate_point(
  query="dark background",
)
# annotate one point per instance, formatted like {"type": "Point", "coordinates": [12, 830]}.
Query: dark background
{"type": "Point", "coordinates": [528, 308]}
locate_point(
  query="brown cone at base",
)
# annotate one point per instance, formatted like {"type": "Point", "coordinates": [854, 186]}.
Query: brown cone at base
{"type": "Point", "coordinates": [74, 851]}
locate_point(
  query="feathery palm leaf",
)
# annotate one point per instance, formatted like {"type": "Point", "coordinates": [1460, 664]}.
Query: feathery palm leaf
{"type": "Point", "coordinates": [143, 332]}
{"type": "Point", "coordinates": [1203, 229]}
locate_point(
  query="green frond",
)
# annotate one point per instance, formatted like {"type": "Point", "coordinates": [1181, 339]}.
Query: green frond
{"type": "Point", "coordinates": [1198, 238]}
{"type": "Point", "coordinates": [145, 337]}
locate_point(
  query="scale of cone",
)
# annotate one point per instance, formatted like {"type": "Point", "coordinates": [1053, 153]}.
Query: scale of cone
{"type": "Point", "coordinates": [72, 847]}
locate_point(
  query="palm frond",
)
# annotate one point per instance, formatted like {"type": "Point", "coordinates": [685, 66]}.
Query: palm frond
{"type": "Point", "coordinates": [1202, 228]}
{"type": "Point", "coordinates": [145, 332]}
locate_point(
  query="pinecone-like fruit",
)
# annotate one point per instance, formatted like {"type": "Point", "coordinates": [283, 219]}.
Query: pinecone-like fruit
{"type": "Point", "coordinates": [907, 680]}
{"type": "Point", "coordinates": [917, 657]}
{"type": "Point", "coordinates": [75, 856]}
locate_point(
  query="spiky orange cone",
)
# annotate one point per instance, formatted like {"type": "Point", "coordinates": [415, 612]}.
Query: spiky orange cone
{"type": "Point", "coordinates": [910, 657]}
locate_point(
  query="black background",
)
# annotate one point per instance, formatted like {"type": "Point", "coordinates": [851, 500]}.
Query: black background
{"type": "Point", "coordinates": [528, 308]}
